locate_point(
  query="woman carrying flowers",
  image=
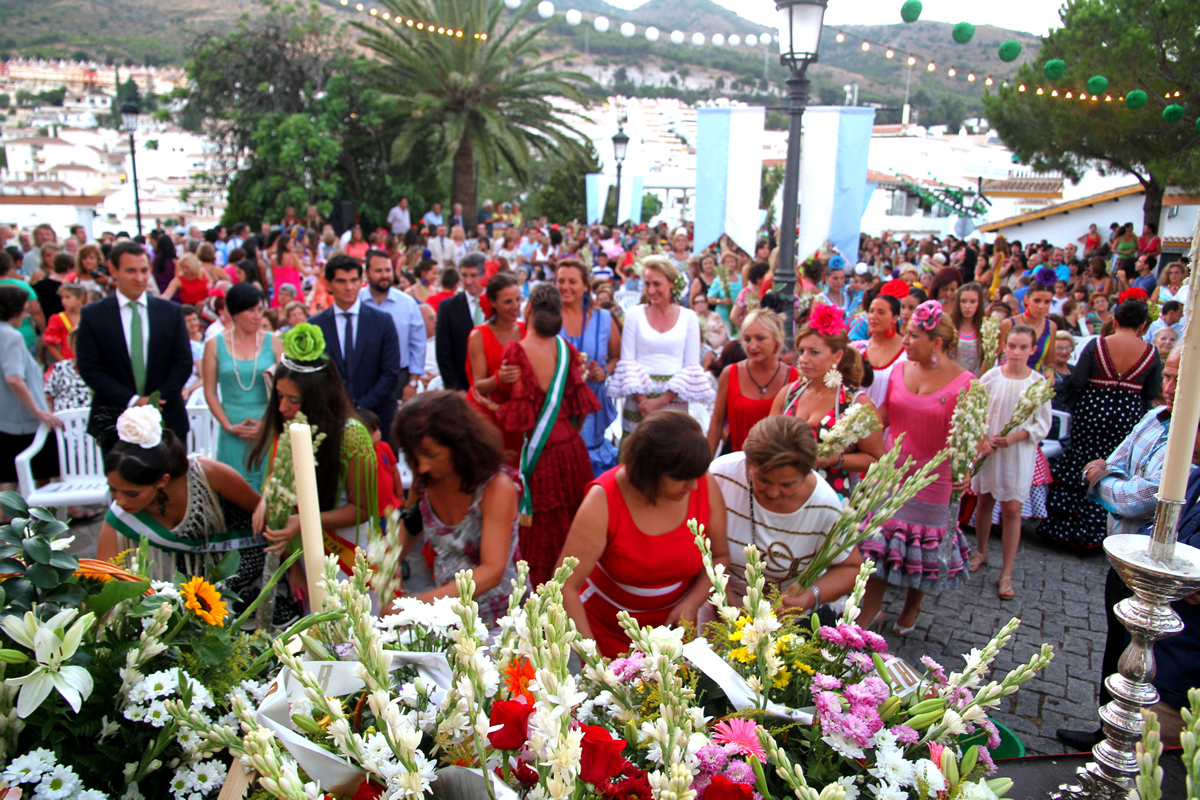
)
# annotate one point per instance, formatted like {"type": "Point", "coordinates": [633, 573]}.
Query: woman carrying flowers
{"type": "Point", "coordinates": [920, 548]}
{"type": "Point", "coordinates": [464, 496]}
{"type": "Point", "coordinates": [346, 463]}
{"type": "Point", "coordinates": [778, 503]}
{"type": "Point", "coordinates": [631, 534]}
{"type": "Point", "coordinates": [831, 377]}
{"type": "Point", "coordinates": [746, 390]}
{"type": "Point", "coordinates": [191, 509]}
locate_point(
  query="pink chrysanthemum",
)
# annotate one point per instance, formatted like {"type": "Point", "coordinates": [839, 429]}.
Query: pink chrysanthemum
{"type": "Point", "coordinates": [742, 733]}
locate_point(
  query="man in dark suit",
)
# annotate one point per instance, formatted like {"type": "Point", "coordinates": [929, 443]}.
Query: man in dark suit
{"type": "Point", "coordinates": [131, 345]}
{"type": "Point", "coordinates": [456, 316]}
{"type": "Point", "coordinates": [457, 218]}
{"type": "Point", "coordinates": [361, 341]}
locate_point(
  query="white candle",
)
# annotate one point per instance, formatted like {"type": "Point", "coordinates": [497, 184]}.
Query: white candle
{"type": "Point", "coordinates": [1185, 414]}
{"type": "Point", "coordinates": [311, 537]}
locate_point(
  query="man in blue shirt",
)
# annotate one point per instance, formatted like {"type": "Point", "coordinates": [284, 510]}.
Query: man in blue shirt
{"type": "Point", "coordinates": [1171, 316]}
{"type": "Point", "coordinates": [1145, 269]}
{"type": "Point", "coordinates": [405, 313]}
{"type": "Point", "coordinates": [433, 217]}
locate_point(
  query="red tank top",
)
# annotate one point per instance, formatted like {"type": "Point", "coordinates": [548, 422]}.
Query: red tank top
{"type": "Point", "coordinates": [192, 292]}
{"type": "Point", "coordinates": [743, 412]}
{"type": "Point", "coordinates": [644, 575]}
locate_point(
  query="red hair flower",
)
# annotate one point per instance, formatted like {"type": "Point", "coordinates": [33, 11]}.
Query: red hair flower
{"type": "Point", "coordinates": [895, 288]}
{"type": "Point", "coordinates": [1133, 293]}
{"type": "Point", "coordinates": [827, 320]}
{"type": "Point", "coordinates": [928, 315]}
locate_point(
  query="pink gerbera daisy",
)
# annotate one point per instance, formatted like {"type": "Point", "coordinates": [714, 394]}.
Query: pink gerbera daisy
{"type": "Point", "coordinates": [742, 734]}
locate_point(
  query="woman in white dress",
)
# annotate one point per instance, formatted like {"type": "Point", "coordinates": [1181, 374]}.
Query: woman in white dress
{"type": "Point", "coordinates": [660, 351]}
{"type": "Point", "coordinates": [885, 347]}
{"type": "Point", "coordinates": [775, 501]}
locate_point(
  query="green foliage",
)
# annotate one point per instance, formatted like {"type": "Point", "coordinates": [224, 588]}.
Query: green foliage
{"type": "Point", "coordinates": [5, 100]}
{"type": "Point", "coordinates": [40, 574]}
{"type": "Point", "coordinates": [1147, 47]}
{"type": "Point", "coordinates": [564, 196]}
{"type": "Point", "coordinates": [48, 97]}
{"type": "Point", "coordinates": [651, 205]}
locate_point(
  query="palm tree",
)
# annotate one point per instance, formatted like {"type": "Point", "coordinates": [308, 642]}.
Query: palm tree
{"type": "Point", "coordinates": [482, 90]}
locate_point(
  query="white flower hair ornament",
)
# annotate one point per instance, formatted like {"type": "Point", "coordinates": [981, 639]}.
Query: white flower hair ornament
{"type": "Point", "coordinates": [141, 425]}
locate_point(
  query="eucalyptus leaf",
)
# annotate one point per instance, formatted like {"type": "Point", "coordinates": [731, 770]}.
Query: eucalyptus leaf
{"type": "Point", "coordinates": [44, 514]}
{"type": "Point", "coordinates": [37, 549]}
{"type": "Point", "coordinates": [11, 566]}
{"type": "Point", "coordinates": [11, 550]}
{"type": "Point", "coordinates": [21, 593]}
{"type": "Point", "coordinates": [226, 568]}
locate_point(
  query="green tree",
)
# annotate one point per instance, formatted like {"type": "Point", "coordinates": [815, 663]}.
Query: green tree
{"type": "Point", "coordinates": [651, 205]}
{"type": "Point", "coordinates": [487, 99]}
{"type": "Point", "coordinates": [564, 196]}
{"type": "Point", "coordinates": [1135, 45]}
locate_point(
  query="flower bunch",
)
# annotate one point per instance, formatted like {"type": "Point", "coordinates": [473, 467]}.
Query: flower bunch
{"type": "Point", "coordinates": [856, 423]}
{"type": "Point", "coordinates": [1046, 277]}
{"type": "Point", "coordinates": [1034, 397]}
{"type": "Point", "coordinates": [279, 493]}
{"type": "Point", "coordinates": [885, 488]}
{"type": "Point", "coordinates": [723, 277]}
{"type": "Point", "coordinates": [968, 426]}
{"type": "Point", "coordinates": [46, 778]}
{"type": "Point", "coordinates": [989, 343]}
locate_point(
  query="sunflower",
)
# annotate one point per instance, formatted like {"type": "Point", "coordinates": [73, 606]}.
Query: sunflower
{"type": "Point", "coordinates": [519, 673]}
{"type": "Point", "coordinates": [203, 598]}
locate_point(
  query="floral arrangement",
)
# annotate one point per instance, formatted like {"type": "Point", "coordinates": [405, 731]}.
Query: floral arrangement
{"type": "Point", "coordinates": [968, 426]}
{"type": "Point", "coordinates": [856, 423]}
{"type": "Point", "coordinates": [989, 343]}
{"type": "Point", "coordinates": [279, 492]}
{"type": "Point", "coordinates": [91, 654]}
{"type": "Point", "coordinates": [927, 315]}
{"type": "Point", "coordinates": [1034, 397]}
{"type": "Point", "coordinates": [1045, 278]}
{"type": "Point", "coordinates": [881, 493]}
{"type": "Point", "coordinates": [723, 277]}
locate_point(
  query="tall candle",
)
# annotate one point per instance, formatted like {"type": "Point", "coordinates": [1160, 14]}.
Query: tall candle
{"type": "Point", "coordinates": [311, 538]}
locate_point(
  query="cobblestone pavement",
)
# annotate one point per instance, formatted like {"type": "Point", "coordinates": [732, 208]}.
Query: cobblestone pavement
{"type": "Point", "coordinates": [1058, 599]}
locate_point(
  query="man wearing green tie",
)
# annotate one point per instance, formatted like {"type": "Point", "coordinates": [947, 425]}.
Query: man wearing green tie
{"type": "Point", "coordinates": [456, 316]}
{"type": "Point", "coordinates": [130, 346]}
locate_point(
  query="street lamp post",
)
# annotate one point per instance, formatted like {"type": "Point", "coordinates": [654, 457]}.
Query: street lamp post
{"type": "Point", "coordinates": [620, 142]}
{"type": "Point", "coordinates": [129, 121]}
{"type": "Point", "coordinates": [800, 24]}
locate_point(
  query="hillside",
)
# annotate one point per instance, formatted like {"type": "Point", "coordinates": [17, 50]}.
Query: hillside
{"type": "Point", "coordinates": [159, 32]}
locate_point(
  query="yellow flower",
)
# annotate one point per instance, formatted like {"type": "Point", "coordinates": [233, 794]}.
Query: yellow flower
{"type": "Point", "coordinates": [741, 623]}
{"type": "Point", "coordinates": [203, 598]}
{"type": "Point", "coordinates": [742, 654]}
{"type": "Point", "coordinates": [805, 668]}
{"type": "Point", "coordinates": [782, 679]}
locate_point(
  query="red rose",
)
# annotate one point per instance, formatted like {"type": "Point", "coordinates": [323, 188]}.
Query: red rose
{"type": "Point", "coordinates": [368, 790]}
{"type": "Point", "coordinates": [602, 757]}
{"type": "Point", "coordinates": [514, 716]}
{"type": "Point", "coordinates": [826, 319]}
{"type": "Point", "coordinates": [721, 788]}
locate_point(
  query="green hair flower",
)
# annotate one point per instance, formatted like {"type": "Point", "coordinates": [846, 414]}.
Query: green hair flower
{"type": "Point", "coordinates": [305, 342]}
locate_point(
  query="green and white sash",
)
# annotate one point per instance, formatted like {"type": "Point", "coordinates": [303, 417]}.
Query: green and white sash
{"type": "Point", "coordinates": [143, 526]}
{"type": "Point", "coordinates": [531, 451]}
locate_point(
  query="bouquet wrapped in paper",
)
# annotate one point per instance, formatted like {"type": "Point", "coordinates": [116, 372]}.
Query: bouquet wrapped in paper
{"type": "Point", "coordinates": [856, 423]}
{"type": "Point", "coordinates": [1037, 395]}
{"type": "Point", "coordinates": [968, 426]}
{"type": "Point", "coordinates": [989, 343]}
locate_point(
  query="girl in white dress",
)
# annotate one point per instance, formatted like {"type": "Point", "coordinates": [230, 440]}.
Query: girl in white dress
{"type": "Point", "coordinates": [1007, 476]}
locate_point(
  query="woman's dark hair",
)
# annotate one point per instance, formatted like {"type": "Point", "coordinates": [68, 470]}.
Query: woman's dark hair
{"type": "Point", "coordinates": [475, 445]}
{"type": "Point", "coordinates": [1129, 268]}
{"type": "Point", "coordinates": [919, 293]}
{"type": "Point", "coordinates": [956, 312]}
{"type": "Point", "coordinates": [1098, 266]}
{"type": "Point", "coordinates": [1132, 314]}
{"type": "Point", "coordinates": [423, 266]}
{"type": "Point", "coordinates": [325, 404]}
{"type": "Point", "coordinates": [13, 300]}
{"type": "Point", "coordinates": [757, 272]}
{"type": "Point", "coordinates": [667, 443]}
{"type": "Point", "coordinates": [944, 277]}
{"type": "Point", "coordinates": [556, 237]}
{"type": "Point", "coordinates": [280, 247]}
{"type": "Point", "coordinates": [545, 314]}
{"type": "Point", "coordinates": [497, 284]}
{"type": "Point", "coordinates": [250, 267]}
{"type": "Point", "coordinates": [892, 302]}
{"type": "Point", "coordinates": [412, 236]}
{"type": "Point", "coordinates": [145, 466]}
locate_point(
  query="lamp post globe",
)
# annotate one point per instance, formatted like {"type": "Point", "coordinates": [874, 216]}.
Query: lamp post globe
{"type": "Point", "coordinates": [129, 115]}
{"type": "Point", "coordinates": [799, 36]}
{"type": "Point", "coordinates": [129, 122]}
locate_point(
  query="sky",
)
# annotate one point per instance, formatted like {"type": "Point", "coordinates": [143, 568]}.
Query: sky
{"type": "Point", "coordinates": [1033, 16]}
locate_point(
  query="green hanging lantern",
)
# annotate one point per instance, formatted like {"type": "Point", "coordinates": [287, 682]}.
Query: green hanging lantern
{"type": "Point", "coordinates": [1010, 51]}
{"type": "Point", "coordinates": [1198, 123]}
{"type": "Point", "coordinates": [1055, 68]}
{"type": "Point", "coordinates": [1136, 99]}
{"type": "Point", "coordinates": [911, 10]}
{"type": "Point", "coordinates": [963, 32]}
{"type": "Point", "coordinates": [1173, 113]}
{"type": "Point", "coordinates": [1097, 84]}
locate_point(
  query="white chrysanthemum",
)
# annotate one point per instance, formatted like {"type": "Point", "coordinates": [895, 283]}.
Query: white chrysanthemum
{"type": "Point", "coordinates": [92, 794]}
{"type": "Point", "coordinates": [157, 714]}
{"type": "Point", "coordinates": [163, 683]}
{"type": "Point", "coordinates": [182, 783]}
{"type": "Point", "coordinates": [930, 774]}
{"type": "Point", "coordinates": [377, 748]}
{"type": "Point", "coordinates": [892, 767]}
{"type": "Point", "coordinates": [843, 746]}
{"type": "Point", "coordinates": [888, 791]}
{"type": "Point", "coordinates": [849, 785]}
{"type": "Point", "coordinates": [209, 775]}
{"type": "Point", "coordinates": [188, 739]}
{"type": "Point", "coordinates": [58, 784]}
{"type": "Point", "coordinates": [29, 767]}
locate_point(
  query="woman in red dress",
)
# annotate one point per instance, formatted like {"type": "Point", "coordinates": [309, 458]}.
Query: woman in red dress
{"type": "Point", "coordinates": [557, 481]}
{"type": "Point", "coordinates": [489, 378]}
{"type": "Point", "coordinates": [747, 390]}
{"type": "Point", "coordinates": [631, 537]}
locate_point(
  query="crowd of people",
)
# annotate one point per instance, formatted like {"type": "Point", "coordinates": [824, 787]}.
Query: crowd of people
{"type": "Point", "coordinates": [545, 386]}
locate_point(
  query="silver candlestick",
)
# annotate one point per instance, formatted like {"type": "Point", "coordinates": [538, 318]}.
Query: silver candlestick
{"type": "Point", "coordinates": [1158, 575]}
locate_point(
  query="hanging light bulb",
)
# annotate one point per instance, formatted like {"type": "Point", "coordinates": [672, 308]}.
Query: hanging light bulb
{"type": "Point", "coordinates": [890, 53]}
{"type": "Point", "coordinates": [1053, 92]}
{"type": "Point", "coordinates": [1021, 88]}
{"type": "Point", "coordinates": [841, 37]}
{"type": "Point", "coordinates": [911, 60]}
{"type": "Point", "coordinates": [374, 12]}
{"type": "Point", "coordinates": [1068, 95]}
{"type": "Point", "coordinates": [970, 76]}
{"type": "Point", "coordinates": [1039, 91]}
{"type": "Point", "coordinates": [386, 15]}
{"type": "Point", "coordinates": [932, 66]}
{"type": "Point", "coordinates": [1108, 98]}
{"type": "Point", "coordinates": [988, 82]}
{"type": "Point", "coordinates": [951, 72]}
{"type": "Point", "coordinates": [866, 46]}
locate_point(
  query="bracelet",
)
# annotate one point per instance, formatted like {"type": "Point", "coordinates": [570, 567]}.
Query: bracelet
{"type": "Point", "coordinates": [841, 465]}
{"type": "Point", "coordinates": [816, 593]}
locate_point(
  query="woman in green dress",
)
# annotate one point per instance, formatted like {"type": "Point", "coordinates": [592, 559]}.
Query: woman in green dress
{"type": "Point", "coordinates": [237, 361]}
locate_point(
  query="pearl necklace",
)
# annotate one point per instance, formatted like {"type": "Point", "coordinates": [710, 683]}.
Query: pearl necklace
{"type": "Point", "coordinates": [253, 360]}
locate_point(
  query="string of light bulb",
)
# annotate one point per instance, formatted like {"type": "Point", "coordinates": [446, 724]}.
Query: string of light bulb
{"type": "Point", "coordinates": [416, 24]}
{"type": "Point", "coordinates": [911, 58]}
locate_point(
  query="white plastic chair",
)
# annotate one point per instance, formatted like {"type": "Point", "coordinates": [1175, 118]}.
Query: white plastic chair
{"type": "Point", "coordinates": [80, 467]}
{"type": "Point", "coordinates": [202, 431]}
{"type": "Point", "coordinates": [1051, 448]}
{"type": "Point", "coordinates": [626, 299]}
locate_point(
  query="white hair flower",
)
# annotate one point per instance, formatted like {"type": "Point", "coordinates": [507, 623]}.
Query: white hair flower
{"type": "Point", "coordinates": [140, 425]}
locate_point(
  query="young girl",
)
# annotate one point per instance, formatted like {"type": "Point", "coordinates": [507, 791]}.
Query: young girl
{"type": "Point", "coordinates": [1007, 476]}
{"type": "Point", "coordinates": [967, 315]}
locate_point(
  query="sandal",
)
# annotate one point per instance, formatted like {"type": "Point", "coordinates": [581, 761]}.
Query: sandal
{"type": "Point", "coordinates": [978, 560]}
{"type": "Point", "coordinates": [1004, 589]}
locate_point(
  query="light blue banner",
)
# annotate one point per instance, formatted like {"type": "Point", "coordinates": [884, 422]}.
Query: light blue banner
{"type": "Point", "coordinates": [712, 173]}
{"type": "Point", "coordinates": [637, 187]}
{"type": "Point", "coordinates": [595, 207]}
{"type": "Point", "coordinates": [850, 194]}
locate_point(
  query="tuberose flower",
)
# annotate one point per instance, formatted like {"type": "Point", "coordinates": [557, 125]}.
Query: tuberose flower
{"type": "Point", "coordinates": [202, 597]}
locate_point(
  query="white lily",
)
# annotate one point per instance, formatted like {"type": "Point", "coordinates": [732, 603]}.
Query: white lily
{"type": "Point", "coordinates": [51, 647]}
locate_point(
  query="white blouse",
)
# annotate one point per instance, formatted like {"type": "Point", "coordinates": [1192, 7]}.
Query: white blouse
{"type": "Point", "coordinates": [673, 354]}
{"type": "Point", "coordinates": [785, 542]}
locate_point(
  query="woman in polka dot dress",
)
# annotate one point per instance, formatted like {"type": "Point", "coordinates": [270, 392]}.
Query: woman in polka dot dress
{"type": "Point", "coordinates": [831, 379]}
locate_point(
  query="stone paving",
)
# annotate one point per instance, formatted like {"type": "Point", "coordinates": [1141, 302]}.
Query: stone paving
{"type": "Point", "coordinates": [1058, 599]}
